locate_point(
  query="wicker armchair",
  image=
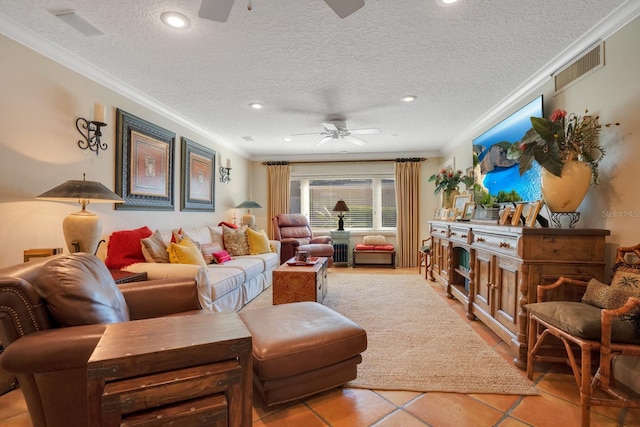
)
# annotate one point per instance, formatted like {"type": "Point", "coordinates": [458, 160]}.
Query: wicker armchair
{"type": "Point", "coordinates": [606, 321]}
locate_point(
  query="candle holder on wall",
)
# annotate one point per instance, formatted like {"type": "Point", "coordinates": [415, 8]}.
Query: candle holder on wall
{"type": "Point", "coordinates": [225, 174]}
{"type": "Point", "coordinates": [90, 130]}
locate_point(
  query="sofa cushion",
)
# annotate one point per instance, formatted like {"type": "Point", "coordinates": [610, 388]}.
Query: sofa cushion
{"type": "Point", "coordinates": [626, 279]}
{"type": "Point", "coordinates": [200, 235]}
{"type": "Point", "coordinates": [258, 242]}
{"type": "Point", "coordinates": [185, 252]}
{"type": "Point", "coordinates": [79, 290]}
{"type": "Point", "coordinates": [125, 248]}
{"type": "Point", "coordinates": [154, 248]}
{"type": "Point", "coordinates": [374, 240]}
{"type": "Point", "coordinates": [220, 257]}
{"type": "Point", "coordinates": [216, 235]}
{"type": "Point", "coordinates": [235, 240]}
{"type": "Point", "coordinates": [208, 249]}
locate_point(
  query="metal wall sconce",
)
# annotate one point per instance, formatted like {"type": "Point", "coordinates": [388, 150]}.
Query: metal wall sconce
{"type": "Point", "coordinates": [90, 130]}
{"type": "Point", "coordinates": [225, 172]}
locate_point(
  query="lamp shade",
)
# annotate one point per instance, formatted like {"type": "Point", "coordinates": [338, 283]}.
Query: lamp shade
{"type": "Point", "coordinates": [82, 230]}
{"type": "Point", "coordinates": [248, 204]}
{"type": "Point", "coordinates": [340, 206]}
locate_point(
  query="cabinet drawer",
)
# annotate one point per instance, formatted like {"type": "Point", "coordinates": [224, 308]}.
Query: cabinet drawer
{"type": "Point", "coordinates": [166, 388]}
{"type": "Point", "coordinates": [460, 234]}
{"type": "Point", "coordinates": [503, 243]}
{"type": "Point", "coordinates": [209, 411]}
{"type": "Point", "coordinates": [439, 230]}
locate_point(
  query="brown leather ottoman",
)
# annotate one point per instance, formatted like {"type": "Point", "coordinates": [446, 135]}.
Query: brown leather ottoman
{"type": "Point", "coordinates": [302, 348]}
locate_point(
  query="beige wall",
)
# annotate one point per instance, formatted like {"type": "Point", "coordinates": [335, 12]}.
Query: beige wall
{"type": "Point", "coordinates": [39, 103]}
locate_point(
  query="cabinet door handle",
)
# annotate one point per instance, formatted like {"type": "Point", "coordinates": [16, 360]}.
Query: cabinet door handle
{"type": "Point", "coordinates": [504, 245]}
{"type": "Point", "coordinates": [453, 234]}
{"type": "Point", "coordinates": [464, 236]}
{"type": "Point", "coordinates": [480, 239]}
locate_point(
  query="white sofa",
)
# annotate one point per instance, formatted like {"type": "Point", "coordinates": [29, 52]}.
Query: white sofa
{"type": "Point", "coordinates": [221, 287]}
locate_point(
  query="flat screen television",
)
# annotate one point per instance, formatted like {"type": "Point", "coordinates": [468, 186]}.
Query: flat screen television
{"type": "Point", "coordinates": [496, 171]}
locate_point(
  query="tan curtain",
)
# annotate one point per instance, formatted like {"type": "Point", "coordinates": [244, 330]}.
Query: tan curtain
{"type": "Point", "coordinates": [407, 176]}
{"type": "Point", "coordinates": [278, 176]}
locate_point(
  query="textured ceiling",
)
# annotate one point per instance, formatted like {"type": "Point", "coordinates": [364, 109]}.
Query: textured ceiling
{"type": "Point", "coordinates": [306, 65]}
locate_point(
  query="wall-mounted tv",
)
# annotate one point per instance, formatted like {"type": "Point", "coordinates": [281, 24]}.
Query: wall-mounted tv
{"type": "Point", "coordinates": [496, 171]}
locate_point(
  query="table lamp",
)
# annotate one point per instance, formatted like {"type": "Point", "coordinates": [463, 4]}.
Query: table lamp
{"type": "Point", "coordinates": [82, 230]}
{"type": "Point", "coordinates": [248, 219]}
{"type": "Point", "coordinates": [340, 207]}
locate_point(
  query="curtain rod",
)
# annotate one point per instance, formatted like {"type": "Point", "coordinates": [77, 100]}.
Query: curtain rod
{"type": "Point", "coordinates": [398, 160]}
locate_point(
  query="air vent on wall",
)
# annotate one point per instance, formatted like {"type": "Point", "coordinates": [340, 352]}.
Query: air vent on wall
{"type": "Point", "coordinates": [586, 64]}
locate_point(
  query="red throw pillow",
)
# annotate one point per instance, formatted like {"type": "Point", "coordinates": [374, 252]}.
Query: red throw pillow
{"type": "Point", "coordinates": [125, 248]}
{"type": "Point", "coordinates": [228, 224]}
{"type": "Point", "coordinates": [221, 257]}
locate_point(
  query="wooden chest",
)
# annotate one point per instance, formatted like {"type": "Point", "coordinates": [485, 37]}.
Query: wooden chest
{"type": "Point", "coordinates": [292, 283]}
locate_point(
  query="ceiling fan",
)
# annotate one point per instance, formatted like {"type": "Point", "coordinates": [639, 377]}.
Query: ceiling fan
{"type": "Point", "coordinates": [219, 10]}
{"type": "Point", "coordinates": [337, 129]}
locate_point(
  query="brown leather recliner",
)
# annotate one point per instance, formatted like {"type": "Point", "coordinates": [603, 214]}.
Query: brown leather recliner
{"type": "Point", "coordinates": [295, 234]}
{"type": "Point", "coordinates": [49, 358]}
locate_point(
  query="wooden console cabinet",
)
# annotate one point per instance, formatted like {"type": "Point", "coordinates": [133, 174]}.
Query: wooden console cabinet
{"type": "Point", "coordinates": [494, 269]}
{"type": "Point", "coordinates": [177, 370]}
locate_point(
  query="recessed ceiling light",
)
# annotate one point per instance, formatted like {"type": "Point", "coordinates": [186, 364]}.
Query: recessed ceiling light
{"type": "Point", "coordinates": [409, 98]}
{"type": "Point", "coordinates": [175, 20]}
{"type": "Point", "coordinates": [255, 105]}
{"type": "Point", "coordinates": [287, 138]}
{"type": "Point", "coordinates": [446, 3]}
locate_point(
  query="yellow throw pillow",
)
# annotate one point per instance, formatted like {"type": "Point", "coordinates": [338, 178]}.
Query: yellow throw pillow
{"type": "Point", "coordinates": [258, 242]}
{"type": "Point", "coordinates": [185, 252]}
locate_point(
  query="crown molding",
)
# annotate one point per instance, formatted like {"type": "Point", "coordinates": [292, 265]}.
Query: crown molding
{"type": "Point", "coordinates": [35, 42]}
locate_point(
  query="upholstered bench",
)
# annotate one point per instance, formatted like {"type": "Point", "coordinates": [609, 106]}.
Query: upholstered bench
{"type": "Point", "coordinates": [374, 251]}
{"type": "Point", "coordinates": [301, 349]}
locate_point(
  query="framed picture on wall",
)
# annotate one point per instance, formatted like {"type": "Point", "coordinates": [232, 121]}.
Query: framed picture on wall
{"type": "Point", "coordinates": [144, 164]}
{"type": "Point", "coordinates": [198, 183]}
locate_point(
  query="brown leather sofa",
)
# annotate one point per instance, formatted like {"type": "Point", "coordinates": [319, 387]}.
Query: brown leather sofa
{"type": "Point", "coordinates": [50, 359]}
{"type": "Point", "coordinates": [295, 234]}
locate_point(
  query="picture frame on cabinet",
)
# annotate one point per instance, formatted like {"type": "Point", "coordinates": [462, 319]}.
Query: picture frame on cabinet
{"type": "Point", "coordinates": [469, 209]}
{"type": "Point", "coordinates": [460, 201]}
{"type": "Point", "coordinates": [517, 213]}
{"type": "Point", "coordinates": [451, 215]}
{"type": "Point", "coordinates": [198, 183]}
{"type": "Point", "coordinates": [144, 164]}
{"type": "Point", "coordinates": [505, 216]}
{"type": "Point", "coordinates": [532, 213]}
{"type": "Point", "coordinates": [444, 214]}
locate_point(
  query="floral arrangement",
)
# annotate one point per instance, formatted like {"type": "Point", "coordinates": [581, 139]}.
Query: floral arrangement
{"type": "Point", "coordinates": [447, 180]}
{"type": "Point", "coordinates": [561, 137]}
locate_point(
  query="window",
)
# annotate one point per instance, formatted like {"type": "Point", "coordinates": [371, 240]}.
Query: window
{"type": "Point", "coordinates": [371, 201]}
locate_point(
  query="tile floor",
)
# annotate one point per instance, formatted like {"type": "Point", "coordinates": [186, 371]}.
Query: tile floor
{"type": "Point", "coordinates": [557, 404]}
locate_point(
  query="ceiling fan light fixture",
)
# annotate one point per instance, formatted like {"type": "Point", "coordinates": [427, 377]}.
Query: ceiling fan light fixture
{"type": "Point", "coordinates": [175, 20]}
{"type": "Point", "coordinates": [409, 98]}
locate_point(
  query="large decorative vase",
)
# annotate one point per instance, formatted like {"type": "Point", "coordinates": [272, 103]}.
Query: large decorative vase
{"type": "Point", "coordinates": [447, 198]}
{"type": "Point", "coordinates": [565, 193]}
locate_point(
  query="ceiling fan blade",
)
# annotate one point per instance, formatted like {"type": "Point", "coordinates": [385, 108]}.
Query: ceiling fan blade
{"type": "Point", "coordinates": [323, 140]}
{"type": "Point", "coordinates": [329, 126]}
{"type": "Point", "coordinates": [310, 133]}
{"type": "Point", "coordinates": [355, 140]}
{"type": "Point", "coordinates": [215, 10]}
{"type": "Point", "coordinates": [369, 131]}
{"type": "Point", "coordinates": [344, 8]}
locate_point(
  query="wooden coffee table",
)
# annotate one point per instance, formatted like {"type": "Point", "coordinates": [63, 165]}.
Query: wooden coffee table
{"type": "Point", "coordinates": [293, 283]}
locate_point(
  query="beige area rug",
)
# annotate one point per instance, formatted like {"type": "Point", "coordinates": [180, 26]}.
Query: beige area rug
{"type": "Point", "coordinates": [415, 340]}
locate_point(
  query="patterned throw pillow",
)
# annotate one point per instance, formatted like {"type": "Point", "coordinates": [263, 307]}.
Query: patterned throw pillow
{"type": "Point", "coordinates": [626, 279]}
{"type": "Point", "coordinates": [235, 240]}
{"type": "Point", "coordinates": [603, 296]}
{"type": "Point", "coordinates": [208, 249]}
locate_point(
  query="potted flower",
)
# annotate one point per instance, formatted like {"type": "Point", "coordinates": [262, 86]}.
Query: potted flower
{"type": "Point", "coordinates": [565, 146]}
{"type": "Point", "coordinates": [448, 182]}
